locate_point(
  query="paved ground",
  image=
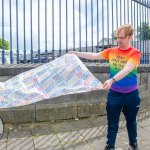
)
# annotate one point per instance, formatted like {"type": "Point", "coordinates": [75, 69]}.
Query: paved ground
{"type": "Point", "coordinates": [85, 134]}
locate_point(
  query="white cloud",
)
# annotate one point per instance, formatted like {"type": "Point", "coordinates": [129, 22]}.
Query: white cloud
{"type": "Point", "coordinates": [49, 23]}
{"type": "Point", "coordinates": [56, 22]}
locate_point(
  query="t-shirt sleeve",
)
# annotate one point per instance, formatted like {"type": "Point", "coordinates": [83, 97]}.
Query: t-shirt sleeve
{"type": "Point", "coordinates": [105, 54]}
{"type": "Point", "coordinates": [135, 58]}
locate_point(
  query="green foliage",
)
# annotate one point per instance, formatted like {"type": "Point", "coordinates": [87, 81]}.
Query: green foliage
{"type": "Point", "coordinates": [6, 44]}
{"type": "Point", "coordinates": [114, 34]}
{"type": "Point", "coordinates": [143, 31]}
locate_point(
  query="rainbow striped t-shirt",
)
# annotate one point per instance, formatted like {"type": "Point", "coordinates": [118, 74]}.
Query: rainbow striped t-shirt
{"type": "Point", "coordinates": [117, 59]}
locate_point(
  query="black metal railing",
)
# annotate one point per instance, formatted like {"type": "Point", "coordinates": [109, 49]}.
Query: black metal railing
{"type": "Point", "coordinates": [42, 30]}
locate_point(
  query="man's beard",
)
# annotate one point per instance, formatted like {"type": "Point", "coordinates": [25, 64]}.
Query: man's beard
{"type": "Point", "coordinates": [120, 44]}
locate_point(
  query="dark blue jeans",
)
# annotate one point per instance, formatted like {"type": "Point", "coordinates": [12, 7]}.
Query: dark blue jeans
{"type": "Point", "coordinates": [128, 103]}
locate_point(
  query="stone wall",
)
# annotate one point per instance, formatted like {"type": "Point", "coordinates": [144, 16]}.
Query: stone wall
{"type": "Point", "coordinates": [69, 106]}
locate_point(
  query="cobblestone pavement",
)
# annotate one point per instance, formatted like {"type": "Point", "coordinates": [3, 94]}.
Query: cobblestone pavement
{"type": "Point", "coordinates": [84, 134]}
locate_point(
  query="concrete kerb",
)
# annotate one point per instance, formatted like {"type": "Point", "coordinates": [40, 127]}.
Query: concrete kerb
{"type": "Point", "coordinates": [70, 106]}
{"type": "Point", "coordinates": [18, 114]}
{"type": "Point", "coordinates": [60, 111]}
{"type": "Point", "coordinates": [51, 112]}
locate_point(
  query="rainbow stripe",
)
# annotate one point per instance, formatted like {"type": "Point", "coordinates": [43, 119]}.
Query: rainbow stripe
{"type": "Point", "coordinates": [117, 60]}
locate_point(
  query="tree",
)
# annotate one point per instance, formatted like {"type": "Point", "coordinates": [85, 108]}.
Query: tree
{"type": "Point", "coordinates": [6, 44]}
{"type": "Point", "coordinates": [143, 31]}
{"type": "Point", "coordinates": [114, 34]}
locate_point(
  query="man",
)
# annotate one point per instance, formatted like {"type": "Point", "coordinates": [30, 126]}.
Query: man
{"type": "Point", "coordinates": [123, 94]}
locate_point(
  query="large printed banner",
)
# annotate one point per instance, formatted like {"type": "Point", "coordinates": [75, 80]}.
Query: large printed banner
{"type": "Point", "coordinates": [63, 76]}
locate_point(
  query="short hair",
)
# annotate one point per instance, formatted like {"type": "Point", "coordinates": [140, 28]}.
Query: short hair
{"type": "Point", "coordinates": [128, 29]}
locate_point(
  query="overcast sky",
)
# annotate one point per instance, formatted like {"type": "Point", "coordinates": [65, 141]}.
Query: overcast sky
{"type": "Point", "coordinates": [63, 22]}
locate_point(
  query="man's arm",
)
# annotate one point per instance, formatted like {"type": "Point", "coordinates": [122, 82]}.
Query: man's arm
{"type": "Point", "coordinates": [87, 55]}
{"type": "Point", "coordinates": [120, 75]}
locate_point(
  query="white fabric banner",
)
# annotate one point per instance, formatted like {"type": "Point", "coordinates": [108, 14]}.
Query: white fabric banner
{"type": "Point", "coordinates": [63, 76]}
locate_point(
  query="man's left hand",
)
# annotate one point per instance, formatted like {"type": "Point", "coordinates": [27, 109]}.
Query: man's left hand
{"type": "Point", "coordinates": [107, 84]}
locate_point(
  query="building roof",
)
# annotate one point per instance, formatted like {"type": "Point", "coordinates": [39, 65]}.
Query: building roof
{"type": "Point", "coordinates": [107, 42]}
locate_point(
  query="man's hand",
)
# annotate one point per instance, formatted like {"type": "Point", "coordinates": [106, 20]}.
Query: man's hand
{"type": "Point", "coordinates": [72, 52]}
{"type": "Point", "coordinates": [107, 84]}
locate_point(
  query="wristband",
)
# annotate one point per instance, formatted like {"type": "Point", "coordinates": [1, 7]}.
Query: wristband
{"type": "Point", "coordinates": [114, 80]}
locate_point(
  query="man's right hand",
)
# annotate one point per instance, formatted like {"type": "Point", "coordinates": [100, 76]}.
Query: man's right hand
{"type": "Point", "coordinates": [72, 52]}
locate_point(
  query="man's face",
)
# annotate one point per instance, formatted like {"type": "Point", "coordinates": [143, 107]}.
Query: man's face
{"type": "Point", "coordinates": [123, 42]}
